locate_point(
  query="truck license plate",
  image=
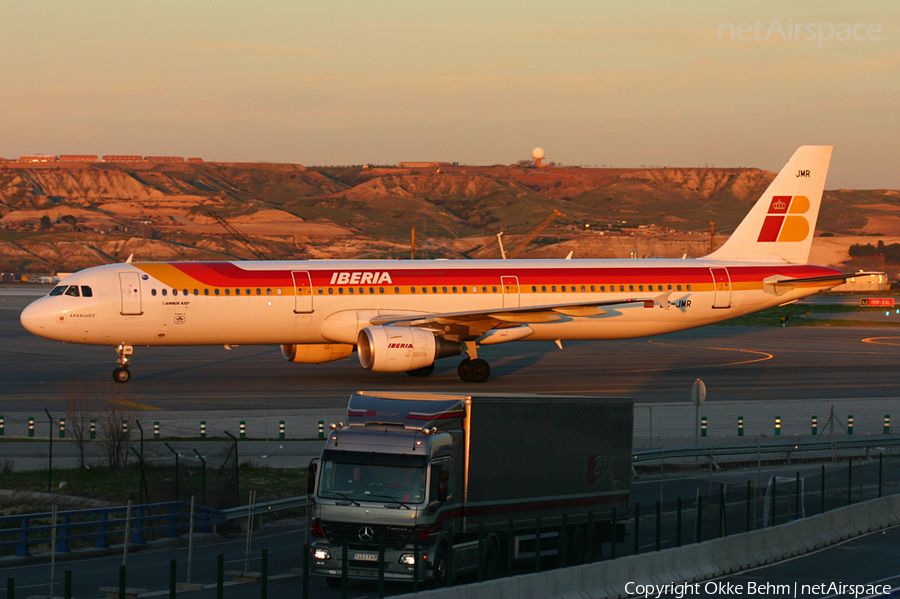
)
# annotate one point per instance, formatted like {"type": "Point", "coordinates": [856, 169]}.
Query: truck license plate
{"type": "Point", "coordinates": [365, 557]}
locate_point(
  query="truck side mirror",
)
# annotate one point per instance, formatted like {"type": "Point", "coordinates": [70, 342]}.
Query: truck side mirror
{"type": "Point", "coordinates": [311, 479]}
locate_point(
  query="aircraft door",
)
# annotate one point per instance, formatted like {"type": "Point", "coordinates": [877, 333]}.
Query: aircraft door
{"type": "Point", "coordinates": [722, 285]}
{"type": "Point", "coordinates": [303, 298]}
{"type": "Point", "coordinates": [510, 291]}
{"type": "Point", "coordinates": [130, 285]}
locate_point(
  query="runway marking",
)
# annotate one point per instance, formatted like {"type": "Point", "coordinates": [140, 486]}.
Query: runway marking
{"type": "Point", "coordinates": [766, 356]}
{"type": "Point", "coordinates": [881, 340]}
{"type": "Point", "coordinates": [131, 404]}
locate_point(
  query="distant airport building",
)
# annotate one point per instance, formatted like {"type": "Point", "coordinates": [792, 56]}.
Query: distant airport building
{"type": "Point", "coordinates": [122, 158]}
{"type": "Point", "coordinates": [164, 158]}
{"type": "Point", "coordinates": [874, 282]}
{"type": "Point", "coordinates": [78, 158]}
{"type": "Point", "coordinates": [195, 160]}
{"type": "Point", "coordinates": [422, 164]}
{"type": "Point", "coordinates": [37, 158]}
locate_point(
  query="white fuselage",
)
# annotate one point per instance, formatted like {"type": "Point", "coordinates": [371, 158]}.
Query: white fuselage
{"type": "Point", "coordinates": [331, 301]}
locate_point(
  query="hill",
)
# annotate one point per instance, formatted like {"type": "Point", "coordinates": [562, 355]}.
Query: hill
{"type": "Point", "coordinates": [63, 217]}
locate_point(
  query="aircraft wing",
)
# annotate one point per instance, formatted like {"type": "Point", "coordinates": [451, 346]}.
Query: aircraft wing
{"type": "Point", "coordinates": [472, 324]}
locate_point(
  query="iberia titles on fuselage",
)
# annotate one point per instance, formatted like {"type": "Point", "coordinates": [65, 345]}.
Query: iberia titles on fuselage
{"type": "Point", "coordinates": [401, 316]}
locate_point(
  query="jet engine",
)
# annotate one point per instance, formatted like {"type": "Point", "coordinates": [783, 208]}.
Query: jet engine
{"type": "Point", "coordinates": [316, 353]}
{"type": "Point", "coordinates": [400, 349]}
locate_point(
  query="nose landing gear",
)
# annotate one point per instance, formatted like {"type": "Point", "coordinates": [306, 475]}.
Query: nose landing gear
{"type": "Point", "coordinates": [121, 373]}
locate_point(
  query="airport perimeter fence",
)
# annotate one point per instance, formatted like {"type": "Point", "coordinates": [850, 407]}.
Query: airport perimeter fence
{"type": "Point", "coordinates": [664, 513]}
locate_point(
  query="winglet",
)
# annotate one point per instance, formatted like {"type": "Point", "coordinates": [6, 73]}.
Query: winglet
{"type": "Point", "coordinates": [781, 225]}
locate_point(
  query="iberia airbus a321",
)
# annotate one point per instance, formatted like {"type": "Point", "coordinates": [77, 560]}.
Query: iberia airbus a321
{"type": "Point", "coordinates": [403, 316]}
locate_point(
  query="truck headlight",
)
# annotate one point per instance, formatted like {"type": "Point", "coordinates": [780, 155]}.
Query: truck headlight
{"type": "Point", "coordinates": [321, 554]}
{"type": "Point", "coordinates": [408, 559]}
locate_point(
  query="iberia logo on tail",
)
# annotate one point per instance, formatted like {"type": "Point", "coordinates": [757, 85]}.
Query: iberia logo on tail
{"type": "Point", "coordinates": [784, 220]}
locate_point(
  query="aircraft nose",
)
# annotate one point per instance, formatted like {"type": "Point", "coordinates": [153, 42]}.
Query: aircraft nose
{"type": "Point", "coordinates": [35, 318]}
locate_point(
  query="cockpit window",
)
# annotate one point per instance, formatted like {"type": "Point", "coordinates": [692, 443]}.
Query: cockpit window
{"type": "Point", "coordinates": [86, 291]}
{"type": "Point", "coordinates": [58, 290]}
{"type": "Point", "coordinates": [73, 291]}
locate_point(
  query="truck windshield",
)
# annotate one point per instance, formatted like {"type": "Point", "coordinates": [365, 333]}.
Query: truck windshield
{"type": "Point", "coordinates": [372, 482]}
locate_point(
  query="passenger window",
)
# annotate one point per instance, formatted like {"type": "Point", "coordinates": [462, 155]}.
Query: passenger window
{"type": "Point", "coordinates": [350, 289]}
{"type": "Point", "coordinates": [412, 289]}
{"type": "Point", "coordinates": [174, 292]}
{"type": "Point", "coordinates": [454, 289]}
{"type": "Point", "coordinates": [679, 288]}
{"type": "Point", "coordinates": [86, 291]}
{"type": "Point", "coordinates": [185, 291]}
{"type": "Point", "coordinates": [602, 287]}
{"type": "Point", "coordinates": [553, 288]}
{"type": "Point", "coordinates": [217, 291]}
{"type": "Point", "coordinates": [153, 292]}
{"type": "Point", "coordinates": [340, 290]}
{"type": "Point", "coordinates": [465, 289]}
{"type": "Point", "coordinates": [544, 288]}
{"type": "Point", "coordinates": [227, 291]}
{"type": "Point", "coordinates": [320, 291]}
{"type": "Point", "coordinates": [494, 289]}
{"type": "Point", "coordinates": [206, 292]}
{"type": "Point", "coordinates": [259, 291]}
{"type": "Point", "coordinates": [58, 290]}
{"type": "Point", "coordinates": [248, 292]}
{"type": "Point", "coordinates": [688, 287]}
{"type": "Point", "coordinates": [484, 289]}
{"type": "Point", "coordinates": [631, 288]}
{"type": "Point", "coordinates": [331, 291]}
{"type": "Point", "coordinates": [474, 289]}
{"type": "Point", "coordinates": [592, 288]}
{"type": "Point", "coordinates": [165, 292]}
{"type": "Point", "coordinates": [640, 287]}
{"type": "Point", "coordinates": [424, 289]}
{"type": "Point", "coordinates": [278, 291]}
{"type": "Point", "coordinates": [670, 288]}
{"type": "Point", "coordinates": [372, 291]}
{"type": "Point", "coordinates": [269, 291]}
{"type": "Point", "coordinates": [237, 291]}
{"type": "Point", "coordinates": [396, 290]}
{"type": "Point", "coordinates": [534, 289]}
{"type": "Point", "coordinates": [583, 289]}
{"type": "Point", "coordinates": [381, 290]}
{"type": "Point", "coordinates": [434, 290]}
{"type": "Point", "coordinates": [444, 289]}
{"type": "Point", "coordinates": [563, 288]}
{"type": "Point", "coordinates": [621, 287]}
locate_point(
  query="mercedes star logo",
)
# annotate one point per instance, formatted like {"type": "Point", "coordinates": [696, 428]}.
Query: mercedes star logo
{"type": "Point", "coordinates": [366, 534]}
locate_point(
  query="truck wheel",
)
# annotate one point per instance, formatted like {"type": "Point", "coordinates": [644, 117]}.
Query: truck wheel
{"type": "Point", "coordinates": [491, 559]}
{"type": "Point", "coordinates": [439, 568]}
{"type": "Point", "coordinates": [333, 582]}
{"type": "Point", "coordinates": [577, 546]}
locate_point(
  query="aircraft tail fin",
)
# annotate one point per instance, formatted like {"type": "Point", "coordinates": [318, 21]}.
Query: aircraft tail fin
{"type": "Point", "coordinates": [781, 225]}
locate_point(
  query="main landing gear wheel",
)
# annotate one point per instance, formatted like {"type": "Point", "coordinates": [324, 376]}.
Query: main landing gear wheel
{"type": "Point", "coordinates": [121, 375]}
{"type": "Point", "coordinates": [424, 371]}
{"type": "Point", "coordinates": [474, 371]}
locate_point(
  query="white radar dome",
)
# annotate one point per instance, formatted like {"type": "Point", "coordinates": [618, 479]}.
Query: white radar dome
{"type": "Point", "coordinates": [537, 153]}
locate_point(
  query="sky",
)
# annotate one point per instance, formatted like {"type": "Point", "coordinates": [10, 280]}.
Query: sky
{"type": "Point", "coordinates": [624, 84]}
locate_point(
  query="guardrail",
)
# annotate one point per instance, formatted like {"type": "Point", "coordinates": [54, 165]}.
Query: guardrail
{"type": "Point", "coordinates": [100, 525]}
{"type": "Point", "coordinates": [243, 511]}
{"type": "Point", "coordinates": [754, 449]}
